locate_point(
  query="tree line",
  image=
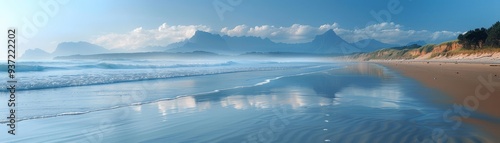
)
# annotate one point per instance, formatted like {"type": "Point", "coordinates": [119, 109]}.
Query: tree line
{"type": "Point", "coordinates": [481, 37]}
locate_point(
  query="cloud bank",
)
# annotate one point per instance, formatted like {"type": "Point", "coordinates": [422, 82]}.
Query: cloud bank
{"type": "Point", "coordinates": [394, 34]}
{"type": "Point", "coordinates": [294, 34]}
{"type": "Point", "coordinates": [165, 34]}
{"type": "Point", "coordinates": [139, 37]}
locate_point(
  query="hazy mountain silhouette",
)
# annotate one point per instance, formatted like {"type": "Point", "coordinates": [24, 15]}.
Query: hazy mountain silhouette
{"type": "Point", "coordinates": [203, 41]}
{"type": "Point", "coordinates": [78, 48]}
{"type": "Point", "coordinates": [36, 53]}
{"type": "Point", "coordinates": [245, 43]}
{"type": "Point", "coordinates": [420, 42]}
{"type": "Point", "coordinates": [65, 49]}
{"type": "Point", "coordinates": [326, 43]}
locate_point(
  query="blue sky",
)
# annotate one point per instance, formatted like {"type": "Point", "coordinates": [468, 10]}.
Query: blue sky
{"type": "Point", "coordinates": [132, 24]}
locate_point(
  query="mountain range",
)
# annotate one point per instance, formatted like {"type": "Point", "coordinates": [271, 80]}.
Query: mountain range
{"type": "Point", "coordinates": [327, 43]}
{"type": "Point", "coordinates": [65, 49]}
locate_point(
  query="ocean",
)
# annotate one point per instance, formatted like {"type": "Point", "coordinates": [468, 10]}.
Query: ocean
{"type": "Point", "coordinates": [224, 101]}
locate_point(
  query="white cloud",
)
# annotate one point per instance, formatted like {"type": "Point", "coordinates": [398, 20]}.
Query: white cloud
{"type": "Point", "coordinates": [394, 34]}
{"type": "Point", "coordinates": [236, 31]}
{"type": "Point", "coordinates": [296, 33]}
{"type": "Point", "coordinates": [438, 35]}
{"type": "Point", "coordinates": [139, 37]}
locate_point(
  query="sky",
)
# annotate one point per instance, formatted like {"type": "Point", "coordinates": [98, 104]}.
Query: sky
{"type": "Point", "coordinates": [134, 24]}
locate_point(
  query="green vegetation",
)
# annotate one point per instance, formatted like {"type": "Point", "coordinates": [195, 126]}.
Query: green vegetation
{"type": "Point", "coordinates": [493, 39]}
{"type": "Point", "coordinates": [478, 51]}
{"type": "Point", "coordinates": [427, 48]}
{"type": "Point", "coordinates": [391, 54]}
{"type": "Point", "coordinates": [479, 37]}
{"type": "Point", "coordinates": [413, 46]}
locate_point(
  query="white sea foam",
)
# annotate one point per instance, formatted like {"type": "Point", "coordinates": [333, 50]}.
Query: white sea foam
{"type": "Point", "coordinates": [42, 76]}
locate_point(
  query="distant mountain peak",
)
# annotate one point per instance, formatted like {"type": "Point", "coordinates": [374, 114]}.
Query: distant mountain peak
{"type": "Point", "coordinates": [80, 47]}
{"type": "Point", "coordinates": [202, 35]}
{"type": "Point", "coordinates": [200, 32]}
{"type": "Point", "coordinates": [369, 45]}
{"type": "Point", "coordinates": [419, 42]}
{"type": "Point", "coordinates": [203, 41]}
{"type": "Point", "coordinates": [36, 54]}
{"type": "Point", "coordinates": [330, 32]}
{"type": "Point", "coordinates": [325, 43]}
{"type": "Point", "coordinates": [328, 35]}
{"type": "Point", "coordinates": [37, 50]}
{"type": "Point", "coordinates": [328, 42]}
{"type": "Point", "coordinates": [372, 42]}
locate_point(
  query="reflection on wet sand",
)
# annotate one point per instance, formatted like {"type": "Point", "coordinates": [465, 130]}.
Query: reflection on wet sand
{"type": "Point", "coordinates": [358, 103]}
{"type": "Point", "coordinates": [304, 91]}
{"type": "Point", "coordinates": [180, 104]}
{"type": "Point", "coordinates": [295, 97]}
{"type": "Point", "coordinates": [366, 69]}
{"type": "Point", "coordinates": [383, 97]}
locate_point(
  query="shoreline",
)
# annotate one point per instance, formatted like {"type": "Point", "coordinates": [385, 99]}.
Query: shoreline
{"type": "Point", "coordinates": [460, 81]}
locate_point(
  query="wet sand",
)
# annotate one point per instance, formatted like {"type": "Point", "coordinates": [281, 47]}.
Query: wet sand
{"type": "Point", "coordinates": [351, 102]}
{"type": "Point", "coordinates": [460, 81]}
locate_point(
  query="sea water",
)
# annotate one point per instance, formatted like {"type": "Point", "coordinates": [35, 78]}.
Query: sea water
{"type": "Point", "coordinates": [224, 101]}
